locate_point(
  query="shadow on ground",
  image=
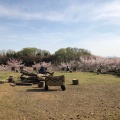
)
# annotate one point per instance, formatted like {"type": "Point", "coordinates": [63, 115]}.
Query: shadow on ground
{"type": "Point", "coordinates": [40, 90]}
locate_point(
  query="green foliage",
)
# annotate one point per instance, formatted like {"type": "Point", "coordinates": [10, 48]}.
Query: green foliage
{"type": "Point", "coordinates": [30, 55]}
{"type": "Point", "coordinates": [68, 54]}
{"type": "Point", "coordinates": [29, 51]}
{"type": "Point", "coordinates": [33, 52]}
{"type": "Point", "coordinates": [10, 53]}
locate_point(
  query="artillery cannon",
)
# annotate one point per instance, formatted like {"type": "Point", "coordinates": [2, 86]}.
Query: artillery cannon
{"type": "Point", "coordinates": [47, 79]}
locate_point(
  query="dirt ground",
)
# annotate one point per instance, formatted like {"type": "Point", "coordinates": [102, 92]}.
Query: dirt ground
{"type": "Point", "coordinates": [93, 101]}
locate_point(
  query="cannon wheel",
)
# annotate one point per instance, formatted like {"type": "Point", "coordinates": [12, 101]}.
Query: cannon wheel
{"type": "Point", "coordinates": [63, 87]}
{"type": "Point", "coordinates": [46, 87]}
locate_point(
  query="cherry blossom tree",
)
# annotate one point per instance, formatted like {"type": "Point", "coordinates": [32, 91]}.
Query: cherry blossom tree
{"type": "Point", "coordinates": [15, 64]}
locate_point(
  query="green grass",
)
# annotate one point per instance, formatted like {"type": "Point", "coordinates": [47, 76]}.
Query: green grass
{"type": "Point", "coordinates": [4, 75]}
{"type": "Point", "coordinates": [83, 77]}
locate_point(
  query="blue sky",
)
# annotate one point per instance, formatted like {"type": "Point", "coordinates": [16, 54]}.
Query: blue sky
{"type": "Point", "coordinates": [53, 24]}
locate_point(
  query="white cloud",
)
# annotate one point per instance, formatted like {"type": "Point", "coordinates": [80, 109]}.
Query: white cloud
{"type": "Point", "coordinates": [71, 13]}
{"type": "Point", "coordinates": [86, 33]}
{"type": "Point", "coordinates": [39, 15]}
{"type": "Point", "coordinates": [109, 11]}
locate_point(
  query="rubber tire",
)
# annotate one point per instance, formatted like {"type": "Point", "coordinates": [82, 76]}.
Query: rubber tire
{"type": "Point", "coordinates": [63, 87]}
{"type": "Point", "coordinates": [46, 87]}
